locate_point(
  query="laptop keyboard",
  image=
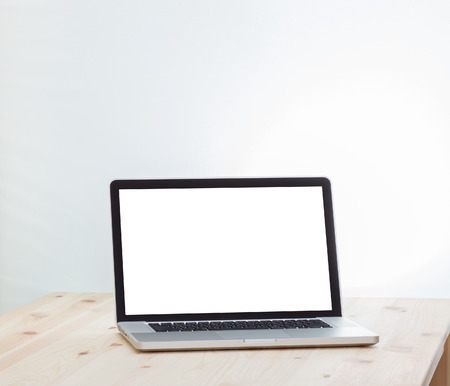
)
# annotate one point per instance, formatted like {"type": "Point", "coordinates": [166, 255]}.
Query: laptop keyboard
{"type": "Point", "coordinates": [239, 325]}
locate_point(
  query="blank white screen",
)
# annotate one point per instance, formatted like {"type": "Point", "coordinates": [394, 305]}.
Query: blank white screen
{"type": "Point", "coordinates": [224, 250]}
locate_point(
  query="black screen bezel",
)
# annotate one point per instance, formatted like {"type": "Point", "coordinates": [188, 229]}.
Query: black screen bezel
{"type": "Point", "coordinates": [323, 182]}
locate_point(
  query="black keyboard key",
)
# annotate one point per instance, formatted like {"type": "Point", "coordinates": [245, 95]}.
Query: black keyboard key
{"type": "Point", "coordinates": [158, 327]}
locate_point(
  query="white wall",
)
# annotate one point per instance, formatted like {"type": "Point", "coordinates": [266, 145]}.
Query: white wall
{"type": "Point", "coordinates": [95, 90]}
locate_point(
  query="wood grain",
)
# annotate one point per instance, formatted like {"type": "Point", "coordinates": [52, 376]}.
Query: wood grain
{"type": "Point", "coordinates": [71, 339]}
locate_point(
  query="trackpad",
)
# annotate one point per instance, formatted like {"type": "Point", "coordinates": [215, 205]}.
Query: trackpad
{"type": "Point", "coordinates": [252, 334]}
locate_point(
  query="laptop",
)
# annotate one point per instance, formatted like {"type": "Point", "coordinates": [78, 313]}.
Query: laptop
{"type": "Point", "coordinates": [229, 263]}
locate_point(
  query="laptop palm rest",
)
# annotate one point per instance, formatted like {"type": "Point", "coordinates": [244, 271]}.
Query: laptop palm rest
{"type": "Point", "coordinates": [253, 334]}
{"type": "Point", "coordinates": [210, 335]}
{"type": "Point", "coordinates": [176, 336]}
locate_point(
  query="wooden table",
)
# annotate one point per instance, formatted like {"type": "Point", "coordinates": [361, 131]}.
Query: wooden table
{"type": "Point", "coordinates": [71, 339]}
